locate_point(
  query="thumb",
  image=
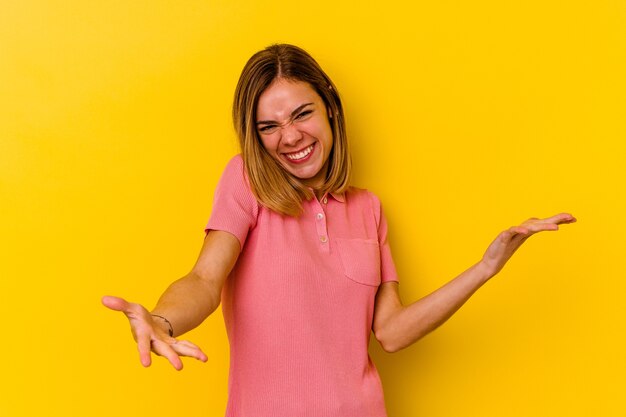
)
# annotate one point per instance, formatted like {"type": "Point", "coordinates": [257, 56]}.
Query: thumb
{"type": "Point", "coordinates": [115, 303]}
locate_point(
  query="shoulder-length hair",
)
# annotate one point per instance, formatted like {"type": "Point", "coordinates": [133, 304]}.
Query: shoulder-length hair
{"type": "Point", "coordinates": [272, 185]}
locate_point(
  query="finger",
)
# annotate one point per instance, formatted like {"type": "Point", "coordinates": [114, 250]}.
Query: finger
{"type": "Point", "coordinates": [143, 346]}
{"type": "Point", "coordinates": [133, 311]}
{"type": "Point", "coordinates": [541, 227]}
{"type": "Point", "coordinates": [164, 349]}
{"type": "Point", "coordinates": [115, 303]}
{"type": "Point", "coordinates": [564, 218]}
{"type": "Point", "coordinates": [561, 218]}
{"type": "Point", "coordinates": [187, 343]}
{"type": "Point", "coordinates": [505, 236]}
{"type": "Point", "coordinates": [518, 230]}
{"type": "Point", "coordinates": [186, 348]}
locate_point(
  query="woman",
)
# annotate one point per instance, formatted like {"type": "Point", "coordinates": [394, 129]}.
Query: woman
{"type": "Point", "coordinates": [300, 260]}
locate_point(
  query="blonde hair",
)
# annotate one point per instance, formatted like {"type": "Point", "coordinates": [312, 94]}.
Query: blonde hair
{"type": "Point", "coordinates": [272, 185]}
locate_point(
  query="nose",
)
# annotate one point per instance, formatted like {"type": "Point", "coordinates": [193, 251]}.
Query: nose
{"type": "Point", "coordinates": [290, 134]}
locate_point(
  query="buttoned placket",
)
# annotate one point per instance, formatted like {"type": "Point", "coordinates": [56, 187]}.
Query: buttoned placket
{"type": "Point", "coordinates": [321, 225]}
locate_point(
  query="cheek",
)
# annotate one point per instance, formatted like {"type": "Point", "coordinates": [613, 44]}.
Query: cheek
{"type": "Point", "coordinates": [318, 129]}
{"type": "Point", "coordinates": [268, 143]}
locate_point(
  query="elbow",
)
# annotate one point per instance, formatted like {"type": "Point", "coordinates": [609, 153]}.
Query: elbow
{"type": "Point", "coordinates": [392, 339]}
{"type": "Point", "coordinates": [388, 341]}
{"type": "Point", "coordinates": [390, 348]}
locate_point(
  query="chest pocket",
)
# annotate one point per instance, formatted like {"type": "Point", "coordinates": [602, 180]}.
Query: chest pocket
{"type": "Point", "coordinates": [360, 259]}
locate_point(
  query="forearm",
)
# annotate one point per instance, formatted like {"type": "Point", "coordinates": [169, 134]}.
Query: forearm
{"type": "Point", "coordinates": [410, 323]}
{"type": "Point", "coordinates": [397, 326]}
{"type": "Point", "coordinates": [186, 303]}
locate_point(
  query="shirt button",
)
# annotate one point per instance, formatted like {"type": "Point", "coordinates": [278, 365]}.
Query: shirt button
{"type": "Point", "coordinates": [324, 200]}
{"type": "Point", "coordinates": [320, 216]}
{"type": "Point", "coordinates": [323, 239]}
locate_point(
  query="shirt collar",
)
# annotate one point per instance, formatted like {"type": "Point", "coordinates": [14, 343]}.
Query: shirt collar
{"type": "Point", "coordinates": [339, 197]}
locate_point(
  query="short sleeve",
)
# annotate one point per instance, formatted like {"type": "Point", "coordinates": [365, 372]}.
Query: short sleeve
{"type": "Point", "coordinates": [235, 209]}
{"type": "Point", "coordinates": [387, 266]}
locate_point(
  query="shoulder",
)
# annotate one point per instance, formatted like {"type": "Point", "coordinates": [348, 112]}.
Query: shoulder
{"type": "Point", "coordinates": [235, 172]}
{"type": "Point", "coordinates": [366, 199]}
{"type": "Point", "coordinates": [234, 181]}
{"type": "Point", "coordinates": [235, 165]}
{"type": "Point", "coordinates": [362, 194]}
{"type": "Point", "coordinates": [234, 204]}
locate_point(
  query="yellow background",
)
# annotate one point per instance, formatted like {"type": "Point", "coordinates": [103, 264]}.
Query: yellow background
{"type": "Point", "coordinates": [465, 118]}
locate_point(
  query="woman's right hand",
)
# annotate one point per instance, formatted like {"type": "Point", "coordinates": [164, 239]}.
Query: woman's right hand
{"type": "Point", "coordinates": [151, 337]}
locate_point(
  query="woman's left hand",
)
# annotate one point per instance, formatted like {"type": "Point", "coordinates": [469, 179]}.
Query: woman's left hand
{"type": "Point", "coordinates": [507, 242]}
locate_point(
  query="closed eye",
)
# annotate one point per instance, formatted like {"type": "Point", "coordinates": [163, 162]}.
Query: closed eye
{"type": "Point", "coordinates": [268, 128]}
{"type": "Point", "coordinates": [303, 114]}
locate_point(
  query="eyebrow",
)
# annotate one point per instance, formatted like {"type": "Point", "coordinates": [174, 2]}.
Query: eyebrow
{"type": "Point", "coordinates": [293, 113]}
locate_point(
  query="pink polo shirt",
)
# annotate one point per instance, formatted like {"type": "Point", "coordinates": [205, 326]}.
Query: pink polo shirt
{"type": "Point", "coordinates": [299, 303]}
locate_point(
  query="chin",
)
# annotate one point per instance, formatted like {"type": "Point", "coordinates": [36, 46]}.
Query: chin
{"type": "Point", "coordinates": [305, 174]}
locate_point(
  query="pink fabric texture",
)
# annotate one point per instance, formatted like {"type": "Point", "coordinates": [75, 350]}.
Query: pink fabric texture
{"type": "Point", "coordinates": [299, 303]}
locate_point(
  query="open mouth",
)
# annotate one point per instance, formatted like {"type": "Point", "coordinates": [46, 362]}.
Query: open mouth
{"type": "Point", "coordinates": [300, 155]}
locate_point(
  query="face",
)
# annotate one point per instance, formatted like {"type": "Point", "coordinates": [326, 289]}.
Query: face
{"type": "Point", "coordinates": [292, 122]}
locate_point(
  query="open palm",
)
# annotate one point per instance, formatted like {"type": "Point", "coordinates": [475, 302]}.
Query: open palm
{"type": "Point", "coordinates": [151, 337]}
{"type": "Point", "coordinates": [507, 242]}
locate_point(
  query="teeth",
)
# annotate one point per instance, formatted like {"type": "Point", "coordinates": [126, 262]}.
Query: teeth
{"type": "Point", "coordinates": [299, 155]}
